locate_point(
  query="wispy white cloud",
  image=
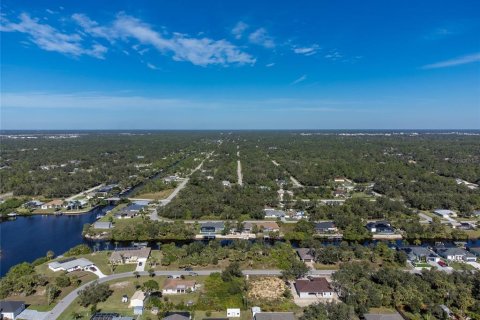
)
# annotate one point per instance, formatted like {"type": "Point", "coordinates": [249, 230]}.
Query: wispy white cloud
{"type": "Point", "coordinates": [300, 79]}
{"type": "Point", "coordinates": [306, 51]}
{"type": "Point", "coordinates": [334, 55]}
{"type": "Point", "coordinates": [239, 29]}
{"type": "Point", "coordinates": [262, 38]}
{"type": "Point", "coordinates": [471, 58]}
{"type": "Point", "coordinates": [152, 66]}
{"type": "Point", "coordinates": [199, 51]}
{"type": "Point", "coordinates": [49, 38]}
{"type": "Point", "coordinates": [269, 65]}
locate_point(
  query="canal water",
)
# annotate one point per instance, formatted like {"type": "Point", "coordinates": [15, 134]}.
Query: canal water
{"type": "Point", "coordinates": [27, 238]}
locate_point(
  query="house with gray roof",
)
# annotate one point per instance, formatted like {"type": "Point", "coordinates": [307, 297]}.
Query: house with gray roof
{"type": "Point", "coordinates": [274, 213]}
{"type": "Point", "coordinates": [211, 227]}
{"type": "Point", "coordinates": [11, 309]}
{"type": "Point", "coordinates": [456, 254]}
{"type": "Point", "coordinates": [102, 225]}
{"type": "Point", "coordinates": [306, 254]}
{"type": "Point", "coordinates": [70, 265]}
{"type": "Point", "coordinates": [419, 254]}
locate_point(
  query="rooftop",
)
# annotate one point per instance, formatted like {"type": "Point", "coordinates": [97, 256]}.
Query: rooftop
{"type": "Point", "coordinates": [172, 284]}
{"type": "Point", "coordinates": [10, 306]}
{"type": "Point", "coordinates": [70, 263]}
{"type": "Point", "coordinates": [130, 252]}
{"type": "Point", "coordinates": [313, 285]}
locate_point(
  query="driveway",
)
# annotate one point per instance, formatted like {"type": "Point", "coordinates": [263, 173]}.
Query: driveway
{"type": "Point", "coordinates": [476, 265]}
{"type": "Point", "coordinates": [141, 267]}
{"type": "Point", "coordinates": [97, 272]}
{"type": "Point", "coordinates": [28, 314]}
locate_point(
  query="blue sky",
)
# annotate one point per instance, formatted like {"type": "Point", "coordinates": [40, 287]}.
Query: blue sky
{"type": "Point", "coordinates": [240, 64]}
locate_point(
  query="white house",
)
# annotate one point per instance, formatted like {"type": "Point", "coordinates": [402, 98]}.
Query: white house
{"type": "Point", "coordinates": [11, 309]}
{"type": "Point", "coordinates": [233, 313]}
{"type": "Point", "coordinates": [178, 286]}
{"type": "Point", "coordinates": [54, 204]}
{"type": "Point", "coordinates": [444, 213]}
{"type": "Point", "coordinates": [137, 302]}
{"type": "Point", "coordinates": [70, 265]}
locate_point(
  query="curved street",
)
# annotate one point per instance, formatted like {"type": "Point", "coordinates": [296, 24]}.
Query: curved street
{"type": "Point", "coordinates": [63, 304]}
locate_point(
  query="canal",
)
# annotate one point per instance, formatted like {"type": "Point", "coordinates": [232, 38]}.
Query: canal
{"type": "Point", "coordinates": [27, 238]}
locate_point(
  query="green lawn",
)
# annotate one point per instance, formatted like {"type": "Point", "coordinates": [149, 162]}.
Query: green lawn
{"type": "Point", "coordinates": [126, 286]}
{"type": "Point", "coordinates": [460, 266]}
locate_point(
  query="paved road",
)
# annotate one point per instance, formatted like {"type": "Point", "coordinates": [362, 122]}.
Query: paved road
{"type": "Point", "coordinates": [183, 184]}
{"type": "Point", "coordinates": [63, 304]}
{"type": "Point", "coordinates": [83, 192]}
{"type": "Point", "coordinates": [239, 173]}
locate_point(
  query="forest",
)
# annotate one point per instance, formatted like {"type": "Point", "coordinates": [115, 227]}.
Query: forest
{"type": "Point", "coordinates": [394, 175]}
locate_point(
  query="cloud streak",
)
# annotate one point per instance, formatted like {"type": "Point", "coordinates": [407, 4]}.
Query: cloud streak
{"type": "Point", "coordinates": [200, 51]}
{"type": "Point", "coordinates": [471, 58]}
{"type": "Point", "coordinates": [297, 81]}
{"type": "Point", "coordinates": [49, 38]}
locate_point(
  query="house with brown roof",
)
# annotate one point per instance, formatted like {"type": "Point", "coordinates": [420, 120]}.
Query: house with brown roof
{"type": "Point", "coordinates": [54, 204]}
{"type": "Point", "coordinates": [178, 286]}
{"type": "Point", "coordinates": [130, 255]}
{"type": "Point", "coordinates": [265, 226]}
{"type": "Point", "coordinates": [314, 287]}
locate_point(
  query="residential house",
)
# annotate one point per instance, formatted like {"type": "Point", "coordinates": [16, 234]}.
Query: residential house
{"type": "Point", "coordinates": [131, 210]}
{"type": "Point", "coordinates": [273, 213]}
{"type": "Point", "coordinates": [33, 204]}
{"type": "Point", "coordinates": [380, 227]}
{"type": "Point", "coordinates": [298, 215]}
{"type": "Point", "coordinates": [265, 226]}
{"type": "Point", "coordinates": [137, 302]}
{"type": "Point", "coordinates": [314, 287]}
{"type": "Point", "coordinates": [11, 309]}
{"type": "Point", "coordinates": [233, 313]}
{"type": "Point", "coordinates": [475, 251]}
{"type": "Point", "coordinates": [226, 184]}
{"type": "Point", "coordinates": [456, 254]}
{"type": "Point", "coordinates": [105, 190]}
{"type": "Point", "coordinates": [177, 315]}
{"type": "Point", "coordinates": [212, 227]}
{"type": "Point", "coordinates": [444, 213]}
{"type": "Point", "coordinates": [70, 265]}
{"type": "Point", "coordinates": [130, 255]}
{"type": "Point", "coordinates": [54, 204]}
{"type": "Point", "coordinates": [306, 254]}
{"type": "Point", "coordinates": [178, 286]}
{"type": "Point", "coordinates": [383, 316]}
{"type": "Point", "coordinates": [465, 226]}
{"type": "Point", "coordinates": [171, 179]}
{"type": "Point", "coordinates": [102, 225]}
{"type": "Point", "coordinates": [326, 227]}
{"type": "Point", "coordinates": [340, 193]}
{"type": "Point", "coordinates": [419, 254]}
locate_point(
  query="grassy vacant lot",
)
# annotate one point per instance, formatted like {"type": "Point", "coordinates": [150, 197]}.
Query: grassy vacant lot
{"type": "Point", "coordinates": [38, 300]}
{"type": "Point", "coordinates": [160, 195]}
{"type": "Point", "coordinates": [127, 286]}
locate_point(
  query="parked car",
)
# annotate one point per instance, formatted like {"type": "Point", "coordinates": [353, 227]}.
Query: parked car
{"type": "Point", "coordinates": [140, 264]}
{"type": "Point", "coordinates": [193, 274]}
{"type": "Point", "coordinates": [188, 269]}
{"type": "Point", "coordinates": [442, 264]}
{"type": "Point", "coordinates": [93, 269]}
